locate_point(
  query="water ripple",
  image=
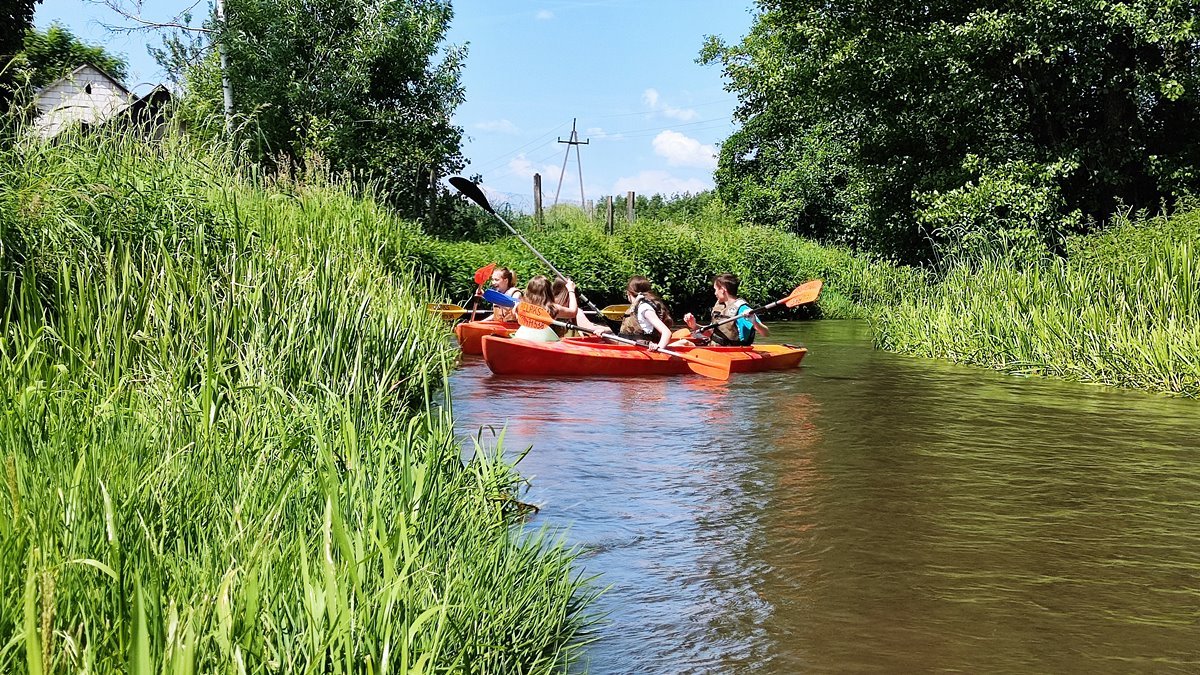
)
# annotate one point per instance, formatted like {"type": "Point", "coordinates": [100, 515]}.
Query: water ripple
{"type": "Point", "coordinates": [868, 513]}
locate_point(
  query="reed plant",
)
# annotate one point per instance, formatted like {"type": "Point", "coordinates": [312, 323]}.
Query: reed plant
{"type": "Point", "coordinates": [224, 438]}
{"type": "Point", "coordinates": [1122, 309]}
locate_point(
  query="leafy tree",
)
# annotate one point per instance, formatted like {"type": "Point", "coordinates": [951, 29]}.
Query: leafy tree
{"type": "Point", "coordinates": [893, 125]}
{"type": "Point", "coordinates": [366, 85]}
{"type": "Point", "coordinates": [16, 16]}
{"type": "Point", "coordinates": [49, 55]}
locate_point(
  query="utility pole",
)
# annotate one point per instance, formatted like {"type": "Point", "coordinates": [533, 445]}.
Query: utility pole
{"type": "Point", "coordinates": [225, 84]}
{"type": "Point", "coordinates": [575, 142]}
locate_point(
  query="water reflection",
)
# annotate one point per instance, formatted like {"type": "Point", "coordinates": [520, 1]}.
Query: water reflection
{"type": "Point", "coordinates": [868, 512]}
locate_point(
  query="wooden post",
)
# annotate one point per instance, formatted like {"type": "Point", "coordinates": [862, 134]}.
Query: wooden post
{"type": "Point", "coordinates": [629, 206]}
{"type": "Point", "coordinates": [537, 199]}
{"type": "Point", "coordinates": [608, 220]}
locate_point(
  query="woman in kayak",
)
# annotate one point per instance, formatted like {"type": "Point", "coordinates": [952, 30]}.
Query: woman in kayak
{"type": "Point", "coordinates": [505, 281]}
{"type": "Point", "coordinates": [648, 317]}
{"type": "Point", "coordinates": [729, 305]}
{"type": "Point", "coordinates": [569, 309]}
{"type": "Point", "coordinates": [539, 291]}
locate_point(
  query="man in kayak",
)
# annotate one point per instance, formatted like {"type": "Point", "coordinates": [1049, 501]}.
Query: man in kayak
{"type": "Point", "coordinates": [740, 332]}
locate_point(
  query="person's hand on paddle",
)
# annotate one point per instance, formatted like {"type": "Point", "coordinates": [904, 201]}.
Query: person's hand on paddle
{"type": "Point", "coordinates": [690, 320]}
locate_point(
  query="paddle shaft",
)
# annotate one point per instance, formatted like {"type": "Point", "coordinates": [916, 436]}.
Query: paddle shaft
{"type": "Point", "coordinates": [624, 340]}
{"type": "Point", "coordinates": [476, 195]}
{"type": "Point", "coordinates": [753, 310]}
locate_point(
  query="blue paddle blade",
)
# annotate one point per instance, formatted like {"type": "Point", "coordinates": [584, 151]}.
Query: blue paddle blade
{"type": "Point", "coordinates": [497, 298]}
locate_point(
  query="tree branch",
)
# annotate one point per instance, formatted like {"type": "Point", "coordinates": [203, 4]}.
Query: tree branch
{"type": "Point", "coordinates": [135, 15]}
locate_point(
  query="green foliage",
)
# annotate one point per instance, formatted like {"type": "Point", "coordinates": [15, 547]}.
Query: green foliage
{"type": "Point", "coordinates": [50, 55]}
{"type": "Point", "coordinates": [887, 126]}
{"type": "Point", "coordinates": [681, 258]}
{"type": "Point", "coordinates": [683, 207]}
{"type": "Point", "coordinates": [16, 18]}
{"type": "Point", "coordinates": [368, 86]}
{"type": "Point", "coordinates": [221, 442]}
{"type": "Point", "coordinates": [1122, 309]}
{"type": "Point", "coordinates": [1014, 211]}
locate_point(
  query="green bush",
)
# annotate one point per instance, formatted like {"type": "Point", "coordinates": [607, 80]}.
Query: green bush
{"type": "Point", "coordinates": [681, 258]}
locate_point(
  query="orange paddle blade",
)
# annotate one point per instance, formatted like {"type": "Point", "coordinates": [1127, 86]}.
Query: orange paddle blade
{"type": "Point", "coordinates": [706, 363]}
{"type": "Point", "coordinates": [803, 294]}
{"type": "Point", "coordinates": [533, 316]}
{"type": "Point", "coordinates": [681, 334]}
{"type": "Point", "coordinates": [484, 273]}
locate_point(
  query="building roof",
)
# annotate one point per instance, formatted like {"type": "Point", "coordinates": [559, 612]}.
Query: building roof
{"type": "Point", "coordinates": [71, 76]}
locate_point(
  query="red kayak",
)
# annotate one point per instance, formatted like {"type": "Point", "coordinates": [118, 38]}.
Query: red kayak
{"type": "Point", "coordinates": [470, 333]}
{"type": "Point", "coordinates": [594, 357]}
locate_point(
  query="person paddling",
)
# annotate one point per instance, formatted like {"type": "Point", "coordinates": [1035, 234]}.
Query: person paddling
{"type": "Point", "coordinates": [648, 317]}
{"type": "Point", "coordinates": [565, 298]}
{"type": "Point", "coordinates": [741, 332]}
{"type": "Point", "coordinates": [539, 291]}
{"type": "Point", "coordinates": [504, 281]}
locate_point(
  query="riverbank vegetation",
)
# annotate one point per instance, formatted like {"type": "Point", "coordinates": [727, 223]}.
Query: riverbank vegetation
{"type": "Point", "coordinates": [992, 147]}
{"type": "Point", "coordinates": [1122, 308]}
{"type": "Point", "coordinates": [681, 257]}
{"type": "Point", "coordinates": [222, 443]}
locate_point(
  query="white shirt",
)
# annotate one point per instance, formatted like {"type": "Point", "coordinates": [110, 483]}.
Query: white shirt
{"type": "Point", "coordinates": [644, 311]}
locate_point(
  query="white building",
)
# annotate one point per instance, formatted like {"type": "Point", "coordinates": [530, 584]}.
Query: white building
{"type": "Point", "coordinates": [88, 96]}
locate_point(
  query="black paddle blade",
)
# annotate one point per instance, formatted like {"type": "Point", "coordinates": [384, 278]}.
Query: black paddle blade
{"type": "Point", "coordinates": [471, 191]}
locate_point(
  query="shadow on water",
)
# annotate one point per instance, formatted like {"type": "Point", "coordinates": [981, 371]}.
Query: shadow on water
{"type": "Point", "coordinates": [869, 512]}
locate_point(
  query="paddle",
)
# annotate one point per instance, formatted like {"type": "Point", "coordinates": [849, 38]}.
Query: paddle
{"type": "Point", "coordinates": [471, 191]}
{"type": "Point", "coordinates": [800, 295]}
{"type": "Point", "coordinates": [614, 312]}
{"type": "Point", "coordinates": [708, 364]}
{"type": "Point", "coordinates": [482, 276]}
{"type": "Point", "coordinates": [448, 311]}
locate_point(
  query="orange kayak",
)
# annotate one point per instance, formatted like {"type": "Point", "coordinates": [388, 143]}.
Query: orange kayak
{"type": "Point", "coordinates": [592, 357]}
{"type": "Point", "coordinates": [470, 333]}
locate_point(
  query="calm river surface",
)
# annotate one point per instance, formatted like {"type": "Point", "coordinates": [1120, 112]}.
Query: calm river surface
{"type": "Point", "coordinates": [866, 513]}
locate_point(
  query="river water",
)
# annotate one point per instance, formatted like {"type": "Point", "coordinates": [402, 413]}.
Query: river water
{"type": "Point", "coordinates": [868, 512]}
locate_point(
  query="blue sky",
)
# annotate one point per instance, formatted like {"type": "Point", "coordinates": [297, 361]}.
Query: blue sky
{"type": "Point", "coordinates": [624, 68]}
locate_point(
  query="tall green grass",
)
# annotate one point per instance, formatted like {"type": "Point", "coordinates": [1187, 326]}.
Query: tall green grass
{"type": "Point", "coordinates": [223, 443]}
{"type": "Point", "coordinates": [1122, 309]}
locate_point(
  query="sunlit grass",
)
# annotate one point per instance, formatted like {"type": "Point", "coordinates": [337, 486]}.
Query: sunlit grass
{"type": "Point", "coordinates": [223, 438]}
{"type": "Point", "coordinates": [1124, 309]}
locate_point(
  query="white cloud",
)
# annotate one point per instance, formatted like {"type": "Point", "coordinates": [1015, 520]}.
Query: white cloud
{"type": "Point", "coordinates": [544, 15]}
{"type": "Point", "coordinates": [521, 166]}
{"type": "Point", "coordinates": [596, 133]}
{"type": "Point", "coordinates": [659, 182]}
{"type": "Point", "coordinates": [652, 100]}
{"type": "Point", "coordinates": [498, 126]}
{"type": "Point", "coordinates": [681, 150]}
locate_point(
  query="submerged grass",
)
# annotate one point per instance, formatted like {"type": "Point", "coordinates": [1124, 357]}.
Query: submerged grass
{"type": "Point", "coordinates": [1122, 309]}
{"type": "Point", "coordinates": [221, 444]}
